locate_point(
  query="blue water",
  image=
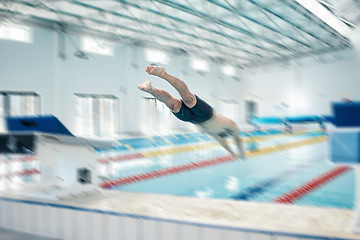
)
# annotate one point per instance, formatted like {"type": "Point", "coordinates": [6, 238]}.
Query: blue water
{"type": "Point", "coordinates": [260, 179]}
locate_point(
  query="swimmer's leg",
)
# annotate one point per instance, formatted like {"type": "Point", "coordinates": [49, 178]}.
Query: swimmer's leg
{"type": "Point", "coordinates": [238, 140]}
{"type": "Point", "coordinates": [224, 144]}
{"type": "Point", "coordinates": [172, 103]}
{"type": "Point", "coordinates": [239, 144]}
{"type": "Point", "coordinates": [188, 98]}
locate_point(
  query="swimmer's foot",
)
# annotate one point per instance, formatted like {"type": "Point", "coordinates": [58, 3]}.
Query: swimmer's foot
{"type": "Point", "coordinates": [240, 157]}
{"type": "Point", "coordinates": [156, 70]}
{"type": "Point", "coordinates": [146, 86]}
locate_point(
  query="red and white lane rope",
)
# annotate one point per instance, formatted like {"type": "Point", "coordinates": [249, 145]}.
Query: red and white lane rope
{"type": "Point", "coordinates": [303, 190]}
{"type": "Point", "coordinates": [166, 171]}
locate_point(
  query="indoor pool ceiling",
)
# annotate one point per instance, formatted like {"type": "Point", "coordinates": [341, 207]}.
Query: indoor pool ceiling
{"type": "Point", "coordinates": [242, 32]}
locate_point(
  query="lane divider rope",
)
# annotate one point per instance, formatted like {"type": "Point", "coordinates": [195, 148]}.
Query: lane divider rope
{"type": "Point", "coordinates": [185, 167]}
{"type": "Point", "coordinates": [197, 165]}
{"type": "Point", "coordinates": [25, 172]}
{"type": "Point", "coordinates": [158, 152]}
{"type": "Point", "coordinates": [200, 146]}
{"type": "Point", "coordinates": [303, 190]}
{"type": "Point", "coordinates": [165, 171]}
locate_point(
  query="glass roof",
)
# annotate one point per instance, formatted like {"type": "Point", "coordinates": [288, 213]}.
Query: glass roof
{"type": "Point", "coordinates": [245, 33]}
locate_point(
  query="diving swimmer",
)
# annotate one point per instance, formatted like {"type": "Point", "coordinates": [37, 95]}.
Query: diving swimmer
{"type": "Point", "coordinates": [191, 108]}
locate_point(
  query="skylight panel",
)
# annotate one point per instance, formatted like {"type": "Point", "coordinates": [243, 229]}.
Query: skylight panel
{"type": "Point", "coordinates": [326, 16]}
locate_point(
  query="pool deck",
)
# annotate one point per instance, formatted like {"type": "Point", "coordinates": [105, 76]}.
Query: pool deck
{"type": "Point", "coordinates": [327, 222]}
{"type": "Point", "coordinates": [249, 216]}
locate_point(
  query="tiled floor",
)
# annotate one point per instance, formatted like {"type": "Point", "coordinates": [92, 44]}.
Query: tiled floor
{"type": "Point", "coordinates": [6, 234]}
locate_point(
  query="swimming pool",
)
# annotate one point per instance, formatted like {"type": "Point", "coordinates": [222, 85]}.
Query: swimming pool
{"type": "Point", "coordinates": [289, 168]}
{"type": "Point", "coordinates": [194, 166]}
{"type": "Point", "coordinates": [199, 191]}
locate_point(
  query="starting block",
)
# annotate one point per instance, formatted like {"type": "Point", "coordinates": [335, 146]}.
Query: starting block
{"type": "Point", "coordinates": [68, 163]}
{"type": "Point", "coordinates": [345, 145]}
{"type": "Point", "coordinates": [345, 139]}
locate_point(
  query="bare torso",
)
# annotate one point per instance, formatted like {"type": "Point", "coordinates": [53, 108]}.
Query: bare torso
{"type": "Point", "coordinates": [217, 125]}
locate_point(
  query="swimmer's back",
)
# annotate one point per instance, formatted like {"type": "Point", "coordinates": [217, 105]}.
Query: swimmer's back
{"type": "Point", "coordinates": [217, 124]}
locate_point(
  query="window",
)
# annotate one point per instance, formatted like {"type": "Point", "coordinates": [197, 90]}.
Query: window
{"type": "Point", "coordinates": [97, 46]}
{"type": "Point", "coordinates": [230, 108]}
{"type": "Point", "coordinates": [156, 56]}
{"type": "Point", "coordinates": [251, 110]}
{"type": "Point", "coordinates": [228, 70]}
{"type": "Point", "coordinates": [97, 115]}
{"type": "Point", "coordinates": [158, 116]}
{"type": "Point", "coordinates": [18, 104]}
{"type": "Point", "coordinates": [200, 65]}
{"type": "Point", "coordinates": [16, 33]}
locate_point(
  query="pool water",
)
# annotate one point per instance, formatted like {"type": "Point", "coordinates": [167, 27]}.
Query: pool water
{"type": "Point", "coordinates": [259, 178]}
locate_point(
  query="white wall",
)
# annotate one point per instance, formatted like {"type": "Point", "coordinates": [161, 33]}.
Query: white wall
{"type": "Point", "coordinates": [306, 87]}
{"type": "Point", "coordinates": [26, 67]}
{"type": "Point", "coordinates": [38, 67]}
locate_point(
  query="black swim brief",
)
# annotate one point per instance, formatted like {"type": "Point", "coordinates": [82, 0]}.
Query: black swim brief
{"type": "Point", "coordinates": [201, 112]}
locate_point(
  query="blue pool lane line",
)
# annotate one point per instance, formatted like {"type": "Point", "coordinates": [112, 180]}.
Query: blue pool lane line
{"type": "Point", "coordinates": [253, 191]}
